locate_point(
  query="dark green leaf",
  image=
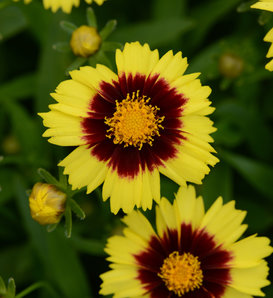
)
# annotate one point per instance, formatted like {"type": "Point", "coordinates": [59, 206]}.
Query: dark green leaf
{"type": "Point", "coordinates": [68, 26]}
{"type": "Point", "coordinates": [11, 287]}
{"type": "Point", "coordinates": [259, 175]}
{"type": "Point", "coordinates": [89, 246]}
{"type": "Point", "coordinates": [62, 47]}
{"type": "Point", "coordinates": [68, 221]}
{"type": "Point", "coordinates": [3, 289]}
{"type": "Point", "coordinates": [79, 61]}
{"type": "Point", "coordinates": [48, 177]}
{"type": "Point", "coordinates": [110, 46]}
{"type": "Point", "coordinates": [76, 209]}
{"type": "Point", "coordinates": [108, 29]}
{"type": "Point", "coordinates": [91, 17]}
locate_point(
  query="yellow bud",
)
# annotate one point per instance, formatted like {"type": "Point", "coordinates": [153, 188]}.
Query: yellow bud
{"type": "Point", "coordinates": [46, 203]}
{"type": "Point", "coordinates": [230, 65]}
{"type": "Point", "coordinates": [85, 41]}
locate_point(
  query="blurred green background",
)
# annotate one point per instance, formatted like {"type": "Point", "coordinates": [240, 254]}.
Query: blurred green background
{"type": "Point", "coordinates": [222, 40]}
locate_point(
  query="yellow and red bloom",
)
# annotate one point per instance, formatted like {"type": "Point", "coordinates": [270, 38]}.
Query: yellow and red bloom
{"type": "Point", "coordinates": [148, 119]}
{"type": "Point", "coordinates": [193, 254]}
{"type": "Point", "coordinates": [46, 203]}
{"type": "Point", "coordinates": [267, 5]}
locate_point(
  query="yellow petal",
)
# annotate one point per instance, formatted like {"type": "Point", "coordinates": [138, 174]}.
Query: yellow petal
{"type": "Point", "coordinates": [165, 217]}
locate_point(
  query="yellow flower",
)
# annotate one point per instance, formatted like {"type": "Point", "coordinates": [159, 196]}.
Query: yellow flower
{"type": "Point", "coordinates": [267, 5]}
{"type": "Point", "coordinates": [148, 119]}
{"type": "Point", "coordinates": [85, 41]}
{"type": "Point", "coordinates": [46, 203]}
{"type": "Point", "coordinates": [193, 254]}
{"type": "Point", "coordinates": [65, 5]}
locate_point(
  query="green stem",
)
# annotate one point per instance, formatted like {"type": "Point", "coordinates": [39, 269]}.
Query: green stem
{"type": "Point", "coordinates": [36, 286]}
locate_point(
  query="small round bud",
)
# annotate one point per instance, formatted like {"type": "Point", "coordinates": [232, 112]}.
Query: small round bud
{"type": "Point", "coordinates": [85, 41]}
{"type": "Point", "coordinates": [46, 203]}
{"type": "Point", "coordinates": [230, 65]}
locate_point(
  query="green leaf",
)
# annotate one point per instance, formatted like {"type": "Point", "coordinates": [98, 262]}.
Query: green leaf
{"type": "Point", "coordinates": [89, 246]}
{"type": "Point", "coordinates": [19, 88]}
{"type": "Point", "coordinates": [163, 9]}
{"type": "Point", "coordinates": [3, 288]}
{"type": "Point", "coordinates": [91, 17]}
{"type": "Point", "coordinates": [76, 209]}
{"type": "Point", "coordinates": [154, 32]}
{"type": "Point", "coordinates": [68, 26]}
{"type": "Point", "coordinates": [68, 221]}
{"type": "Point", "coordinates": [48, 177]}
{"type": "Point", "coordinates": [52, 227]}
{"type": "Point", "coordinates": [259, 175]}
{"type": "Point", "coordinates": [108, 29]}
{"type": "Point", "coordinates": [62, 47]}
{"type": "Point", "coordinates": [9, 28]}
{"type": "Point", "coordinates": [11, 287]}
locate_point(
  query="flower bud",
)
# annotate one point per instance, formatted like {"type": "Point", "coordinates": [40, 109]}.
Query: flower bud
{"type": "Point", "coordinates": [85, 41]}
{"type": "Point", "coordinates": [230, 65]}
{"type": "Point", "coordinates": [47, 203]}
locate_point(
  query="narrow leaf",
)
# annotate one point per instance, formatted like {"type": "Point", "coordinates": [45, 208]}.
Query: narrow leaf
{"type": "Point", "coordinates": [48, 177]}
{"type": "Point", "coordinates": [68, 27]}
{"type": "Point", "coordinates": [68, 222]}
{"type": "Point", "coordinates": [110, 46]}
{"type": "Point", "coordinates": [77, 209]}
{"type": "Point", "coordinates": [11, 287]}
{"type": "Point", "coordinates": [75, 64]}
{"type": "Point", "coordinates": [108, 29]}
{"type": "Point", "coordinates": [62, 47]}
{"type": "Point", "coordinates": [51, 228]}
{"type": "Point", "coordinates": [3, 289]}
{"type": "Point", "coordinates": [91, 17]}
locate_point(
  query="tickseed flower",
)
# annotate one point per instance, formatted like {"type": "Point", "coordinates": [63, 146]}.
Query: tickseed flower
{"type": "Point", "coordinates": [85, 41]}
{"type": "Point", "coordinates": [267, 5]}
{"type": "Point", "coordinates": [193, 254]}
{"type": "Point", "coordinates": [46, 203]}
{"type": "Point", "coordinates": [65, 5]}
{"type": "Point", "coordinates": [129, 127]}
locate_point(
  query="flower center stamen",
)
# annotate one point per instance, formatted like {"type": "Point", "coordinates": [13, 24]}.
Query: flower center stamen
{"type": "Point", "coordinates": [134, 122]}
{"type": "Point", "coordinates": [181, 273]}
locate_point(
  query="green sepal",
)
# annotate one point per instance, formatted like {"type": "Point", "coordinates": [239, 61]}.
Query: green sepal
{"type": "Point", "coordinates": [68, 221]}
{"type": "Point", "coordinates": [3, 289]}
{"type": "Point", "coordinates": [62, 47]}
{"type": "Point", "coordinates": [111, 46]}
{"type": "Point", "coordinates": [48, 177]}
{"type": "Point", "coordinates": [77, 209]}
{"type": "Point", "coordinates": [75, 64]}
{"type": "Point", "coordinates": [11, 288]}
{"type": "Point", "coordinates": [109, 27]}
{"type": "Point", "coordinates": [50, 228]}
{"type": "Point", "coordinates": [68, 26]}
{"type": "Point", "coordinates": [91, 17]}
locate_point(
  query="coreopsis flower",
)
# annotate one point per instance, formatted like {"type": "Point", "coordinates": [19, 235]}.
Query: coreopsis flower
{"type": "Point", "coordinates": [65, 5]}
{"type": "Point", "coordinates": [193, 253]}
{"type": "Point", "coordinates": [267, 5]}
{"type": "Point", "coordinates": [85, 41]}
{"type": "Point", "coordinates": [147, 119]}
{"type": "Point", "coordinates": [46, 203]}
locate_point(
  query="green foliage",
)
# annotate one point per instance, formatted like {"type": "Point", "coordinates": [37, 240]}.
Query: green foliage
{"type": "Point", "coordinates": [35, 56]}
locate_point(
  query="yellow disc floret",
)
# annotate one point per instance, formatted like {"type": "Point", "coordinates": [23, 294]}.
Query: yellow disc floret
{"type": "Point", "coordinates": [135, 122]}
{"type": "Point", "coordinates": [181, 273]}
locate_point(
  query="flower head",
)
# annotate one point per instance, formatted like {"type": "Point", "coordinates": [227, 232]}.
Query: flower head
{"type": "Point", "coordinates": [46, 203]}
{"type": "Point", "coordinates": [148, 119]}
{"type": "Point", "coordinates": [193, 254]}
{"type": "Point", "coordinates": [85, 41]}
{"type": "Point", "coordinates": [267, 5]}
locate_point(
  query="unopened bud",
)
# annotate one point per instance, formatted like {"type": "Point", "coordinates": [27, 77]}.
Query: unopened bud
{"type": "Point", "coordinates": [47, 203]}
{"type": "Point", "coordinates": [85, 41]}
{"type": "Point", "coordinates": [230, 65]}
